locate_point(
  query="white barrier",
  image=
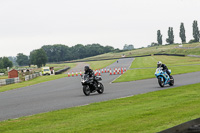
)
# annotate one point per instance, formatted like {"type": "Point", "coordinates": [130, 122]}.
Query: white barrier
{"type": "Point", "coordinates": [32, 76]}
{"type": "Point", "coordinates": [9, 81]}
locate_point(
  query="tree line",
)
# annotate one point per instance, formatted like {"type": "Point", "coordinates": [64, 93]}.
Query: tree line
{"type": "Point", "coordinates": [4, 63]}
{"type": "Point", "coordinates": [60, 52]}
{"type": "Point", "coordinates": [170, 39]}
{"type": "Point", "coordinates": [128, 47]}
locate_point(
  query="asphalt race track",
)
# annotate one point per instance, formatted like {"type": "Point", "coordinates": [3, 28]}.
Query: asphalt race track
{"type": "Point", "coordinates": [67, 92]}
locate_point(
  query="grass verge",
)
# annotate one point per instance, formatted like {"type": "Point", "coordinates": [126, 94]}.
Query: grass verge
{"type": "Point", "coordinates": [36, 80]}
{"type": "Point", "coordinates": [3, 77]}
{"type": "Point", "coordinates": [144, 113]}
{"type": "Point", "coordinates": [31, 82]}
{"type": "Point", "coordinates": [151, 61]}
{"type": "Point", "coordinates": [61, 66]}
{"type": "Point", "coordinates": [100, 64]}
{"type": "Point", "coordinates": [173, 63]}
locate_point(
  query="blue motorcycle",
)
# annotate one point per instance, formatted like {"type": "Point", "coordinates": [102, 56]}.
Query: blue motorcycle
{"type": "Point", "coordinates": [163, 77]}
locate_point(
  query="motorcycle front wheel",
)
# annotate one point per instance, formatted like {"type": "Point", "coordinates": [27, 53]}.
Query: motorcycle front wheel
{"type": "Point", "coordinates": [171, 81]}
{"type": "Point", "coordinates": [100, 88]}
{"type": "Point", "coordinates": [160, 82]}
{"type": "Point", "coordinates": [86, 90]}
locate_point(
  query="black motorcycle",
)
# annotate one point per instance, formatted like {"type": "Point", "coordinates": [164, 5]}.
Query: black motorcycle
{"type": "Point", "coordinates": [90, 85]}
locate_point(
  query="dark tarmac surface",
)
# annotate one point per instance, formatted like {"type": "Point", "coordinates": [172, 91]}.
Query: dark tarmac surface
{"type": "Point", "coordinates": [67, 92]}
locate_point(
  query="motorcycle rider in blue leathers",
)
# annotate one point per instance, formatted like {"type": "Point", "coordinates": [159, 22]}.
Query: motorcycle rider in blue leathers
{"type": "Point", "coordinates": [164, 67]}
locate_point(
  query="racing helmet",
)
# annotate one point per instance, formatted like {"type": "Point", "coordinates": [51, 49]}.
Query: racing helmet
{"type": "Point", "coordinates": [159, 64]}
{"type": "Point", "coordinates": [86, 68]}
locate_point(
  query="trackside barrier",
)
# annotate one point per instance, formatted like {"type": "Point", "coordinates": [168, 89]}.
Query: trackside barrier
{"type": "Point", "coordinates": [171, 54]}
{"type": "Point", "coordinates": [32, 76]}
{"type": "Point", "coordinates": [9, 81]}
{"type": "Point", "coordinates": [187, 127]}
{"type": "Point", "coordinates": [62, 70]}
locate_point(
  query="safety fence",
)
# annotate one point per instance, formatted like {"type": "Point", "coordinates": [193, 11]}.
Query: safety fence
{"type": "Point", "coordinates": [171, 54]}
{"type": "Point", "coordinates": [9, 81]}
{"type": "Point", "coordinates": [32, 76]}
{"type": "Point", "coordinates": [62, 70]}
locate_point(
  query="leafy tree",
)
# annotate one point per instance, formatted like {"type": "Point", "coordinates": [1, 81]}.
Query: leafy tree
{"type": "Point", "coordinates": [57, 52]}
{"type": "Point", "coordinates": [159, 37]}
{"type": "Point", "coordinates": [125, 47]}
{"type": "Point", "coordinates": [38, 57]}
{"type": "Point", "coordinates": [170, 38]}
{"type": "Point", "coordinates": [196, 34]}
{"type": "Point", "coordinates": [108, 49]}
{"type": "Point", "coordinates": [153, 44]}
{"type": "Point", "coordinates": [60, 52]}
{"type": "Point", "coordinates": [182, 33]}
{"type": "Point", "coordinates": [192, 41]}
{"type": "Point", "coordinates": [1, 63]}
{"type": "Point", "coordinates": [94, 49]}
{"type": "Point", "coordinates": [78, 51]}
{"type": "Point", "coordinates": [13, 59]}
{"type": "Point", "coordinates": [22, 59]}
{"type": "Point", "coordinates": [128, 47]}
{"type": "Point", "coordinates": [5, 62]}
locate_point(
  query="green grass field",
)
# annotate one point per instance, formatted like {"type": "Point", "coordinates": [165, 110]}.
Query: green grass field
{"type": "Point", "coordinates": [178, 65]}
{"type": "Point", "coordinates": [145, 113]}
{"type": "Point", "coordinates": [61, 66]}
{"type": "Point", "coordinates": [151, 61]}
{"type": "Point", "coordinates": [164, 49]}
{"type": "Point", "coordinates": [3, 77]}
{"type": "Point", "coordinates": [100, 64]}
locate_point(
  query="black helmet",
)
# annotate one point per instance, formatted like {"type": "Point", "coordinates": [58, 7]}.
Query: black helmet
{"type": "Point", "coordinates": [86, 68]}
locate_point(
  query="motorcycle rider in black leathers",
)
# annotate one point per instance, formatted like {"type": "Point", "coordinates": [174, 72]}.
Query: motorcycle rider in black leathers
{"type": "Point", "coordinates": [91, 75]}
{"type": "Point", "coordinates": [164, 67]}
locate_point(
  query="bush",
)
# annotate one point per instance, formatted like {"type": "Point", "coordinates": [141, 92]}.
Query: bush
{"type": "Point", "coordinates": [192, 41]}
{"type": "Point", "coordinates": [2, 70]}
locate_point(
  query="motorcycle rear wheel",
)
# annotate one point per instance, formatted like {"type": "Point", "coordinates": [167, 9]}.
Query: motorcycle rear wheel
{"type": "Point", "coordinates": [161, 83]}
{"type": "Point", "coordinates": [86, 90]}
{"type": "Point", "coordinates": [101, 90]}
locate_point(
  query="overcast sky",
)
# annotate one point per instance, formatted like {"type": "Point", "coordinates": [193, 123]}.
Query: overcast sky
{"type": "Point", "coordinates": [29, 24]}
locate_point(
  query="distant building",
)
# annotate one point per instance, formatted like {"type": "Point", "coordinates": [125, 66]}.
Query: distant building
{"type": "Point", "coordinates": [13, 73]}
